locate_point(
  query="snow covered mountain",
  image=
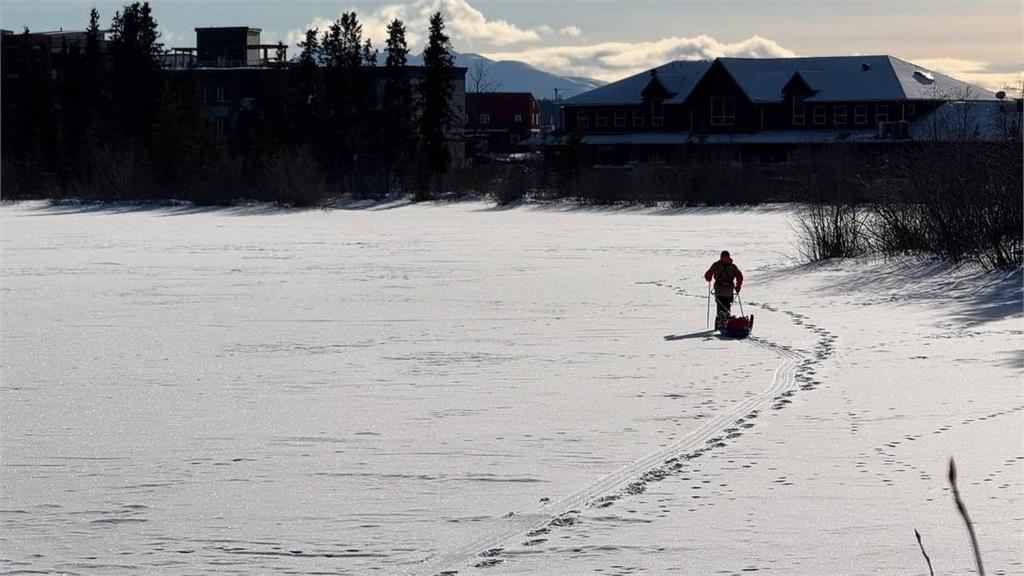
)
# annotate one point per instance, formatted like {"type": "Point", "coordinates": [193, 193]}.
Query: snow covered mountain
{"type": "Point", "coordinates": [515, 76]}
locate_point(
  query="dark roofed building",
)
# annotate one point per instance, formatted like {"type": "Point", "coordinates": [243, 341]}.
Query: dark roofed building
{"type": "Point", "coordinates": [750, 102]}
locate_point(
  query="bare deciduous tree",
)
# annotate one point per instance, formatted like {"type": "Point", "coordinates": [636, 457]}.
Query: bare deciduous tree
{"type": "Point", "coordinates": [479, 79]}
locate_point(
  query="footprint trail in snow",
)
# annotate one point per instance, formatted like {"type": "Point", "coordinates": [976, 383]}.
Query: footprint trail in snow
{"type": "Point", "coordinates": [795, 373]}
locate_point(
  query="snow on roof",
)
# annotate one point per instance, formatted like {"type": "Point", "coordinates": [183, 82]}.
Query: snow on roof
{"type": "Point", "coordinates": [847, 78]}
{"type": "Point", "coordinates": [922, 84]}
{"type": "Point", "coordinates": [678, 77]}
{"type": "Point", "coordinates": [969, 121]}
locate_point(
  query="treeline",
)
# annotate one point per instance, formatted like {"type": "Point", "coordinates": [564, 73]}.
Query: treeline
{"type": "Point", "coordinates": [105, 121]}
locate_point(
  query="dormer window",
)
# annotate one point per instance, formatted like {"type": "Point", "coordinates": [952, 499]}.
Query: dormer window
{"type": "Point", "coordinates": [723, 111]}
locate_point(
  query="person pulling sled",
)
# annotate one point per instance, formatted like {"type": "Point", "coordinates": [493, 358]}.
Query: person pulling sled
{"type": "Point", "coordinates": [728, 280]}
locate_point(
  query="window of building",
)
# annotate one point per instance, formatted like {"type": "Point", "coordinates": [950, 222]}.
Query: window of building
{"type": "Point", "coordinates": [910, 110]}
{"type": "Point", "coordinates": [819, 116]}
{"type": "Point", "coordinates": [723, 110]}
{"type": "Point", "coordinates": [860, 114]}
{"type": "Point", "coordinates": [657, 121]}
{"type": "Point", "coordinates": [839, 115]}
{"type": "Point", "coordinates": [582, 120]}
{"type": "Point", "coordinates": [601, 120]}
{"type": "Point", "coordinates": [799, 111]}
{"type": "Point", "coordinates": [536, 119]}
{"type": "Point", "coordinates": [638, 117]}
{"type": "Point", "coordinates": [882, 113]}
{"type": "Point", "coordinates": [620, 118]}
{"type": "Point", "coordinates": [485, 119]}
{"type": "Point", "coordinates": [518, 118]}
{"type": "Point", "coordinates": [220, 93]}
{"type": "Point", "coordinates": [220, 123]}
{"type": "Point", "coordinates": [204, 94]}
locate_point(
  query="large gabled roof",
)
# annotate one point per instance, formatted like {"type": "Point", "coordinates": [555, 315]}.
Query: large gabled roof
{"type": "Point", "coordinates": [847, 78]}
{"type": "Point", "coordinates": [677, 77]}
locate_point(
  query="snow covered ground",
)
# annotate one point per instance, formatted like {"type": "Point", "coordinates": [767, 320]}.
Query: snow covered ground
{"type": "Point", "coordinates": [456, 388]}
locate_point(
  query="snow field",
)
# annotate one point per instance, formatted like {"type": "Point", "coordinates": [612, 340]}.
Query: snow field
{"type": "Point", "coordinates": [531, 391]}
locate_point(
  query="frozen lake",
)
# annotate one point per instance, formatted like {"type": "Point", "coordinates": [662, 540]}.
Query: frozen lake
{"type": "Point", "coordinates": [530, 391]}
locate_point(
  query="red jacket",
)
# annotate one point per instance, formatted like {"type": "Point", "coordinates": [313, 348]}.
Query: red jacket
{"type": "Point", "coordinates": [723, 284]}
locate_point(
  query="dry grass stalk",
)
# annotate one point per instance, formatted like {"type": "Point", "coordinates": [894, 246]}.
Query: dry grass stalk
{"type": "Point", "coordinates": [926, 558]}
{"type": "Point", "coordinates": [963, 513]}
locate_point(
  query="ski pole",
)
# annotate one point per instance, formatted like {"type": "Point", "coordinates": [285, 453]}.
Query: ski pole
{"type": "Point", "coordinates": [740, 303]}
{"type": "Point", "coordinates": [708, 325]}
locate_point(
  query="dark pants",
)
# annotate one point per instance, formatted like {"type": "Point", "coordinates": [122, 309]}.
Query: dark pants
{"type": "Point", "coordinates": [724, 305]}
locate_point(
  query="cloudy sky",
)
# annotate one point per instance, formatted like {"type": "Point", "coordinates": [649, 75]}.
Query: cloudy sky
{"type": "Point", "coordinates": [975, 40]}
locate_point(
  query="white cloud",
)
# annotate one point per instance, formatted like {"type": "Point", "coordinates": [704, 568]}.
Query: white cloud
{"type": "Point", "coordinates": [614, 60]}
{"type": "Point", "coordinates": [571, 31]}
{"type": "Point", "coordinates": [471, 31]}
{"type": "Point", "coordinates": [467, 26]}
{"type": "Point", "coordinates": [170, 39]}
{"type": "Point", "coordinates": [974, 72]}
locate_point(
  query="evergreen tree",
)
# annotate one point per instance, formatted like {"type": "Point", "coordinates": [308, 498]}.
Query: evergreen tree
{"type": "Point", "coordinates": [369, 55]}
{"type": "Point", "coordinates": [351, 48]}
{"type": "Point", "coordinates": [307, 96]}
{"type": "Point", "coordinates": [137, 76]}
{"type": "Point", "coordinates": [436, 97]}
{"type": "Point", "coordinates": [398, 130]}
{"type": "Point", "coordinates": [396, 47]}
{"type": "Point", "coordinates": [96, 86]}
{"type": "Point", "coordinates": [310, 54]}
{"type": "Point", "coordinates": [330, 46]}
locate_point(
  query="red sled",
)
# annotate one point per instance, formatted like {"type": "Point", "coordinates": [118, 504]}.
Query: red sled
{"type": "Point", "coordinates": [738, 326]}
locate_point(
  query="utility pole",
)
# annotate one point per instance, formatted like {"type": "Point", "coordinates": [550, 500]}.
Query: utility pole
{"type": "Point", "coordinates": [558, 92]}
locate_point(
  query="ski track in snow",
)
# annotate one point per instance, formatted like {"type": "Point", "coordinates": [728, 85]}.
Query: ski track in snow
{"type": "Point", "coordinates": [796, 372]}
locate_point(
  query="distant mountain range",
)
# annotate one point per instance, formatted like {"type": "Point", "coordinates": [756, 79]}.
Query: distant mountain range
{"type": "Point", "coordinates": [515, 76]}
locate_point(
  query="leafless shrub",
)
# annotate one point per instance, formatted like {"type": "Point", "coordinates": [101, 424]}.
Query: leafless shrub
{"type": "Point", "coordinates": [830, 230]}
{"type": "Point", "coordinates": [958, 201]}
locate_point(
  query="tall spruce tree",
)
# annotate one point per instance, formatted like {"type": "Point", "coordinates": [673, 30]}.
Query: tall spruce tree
{"type": "Point", "coordinates": [309, 54]}
{"type": "Point", "coordinates": [369, 54]}
{"type": "Point", "coordinates": [351, 48]}
{"type": "Point", "coordinates": [330, 46]}
{"type": "Point", "coordinates": [96, 85]}
{"type": "Point", "coordinates": [137, 77]}
{"type": "Point", "coordinates": [396, 47]}
{"type": "Point", "coordinates": [436, 96]}
{"type": "Point", "coordinates": [399, 130]}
